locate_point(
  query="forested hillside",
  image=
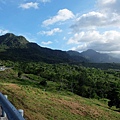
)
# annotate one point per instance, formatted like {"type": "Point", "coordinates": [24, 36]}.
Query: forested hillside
{"type": "Point", "coordinates": [86, 82]}
{"type": "Point", "coordinates": [39, 104]}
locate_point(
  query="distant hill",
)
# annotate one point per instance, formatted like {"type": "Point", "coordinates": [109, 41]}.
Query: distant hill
{"type": "Point", "coordinates": [17, 48]}
{"type": "Point", "coordinates": [93, 57]}
{"type": "Point", "coordinates": [97, 57]}
{"type": "Point", "coordinates": [77, 57]}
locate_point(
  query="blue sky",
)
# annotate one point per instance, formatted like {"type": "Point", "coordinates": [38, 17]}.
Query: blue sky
{"type": "Point", "coordinates": [64, 24]}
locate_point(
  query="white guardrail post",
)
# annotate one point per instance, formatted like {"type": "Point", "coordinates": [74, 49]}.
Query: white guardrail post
{"type": "Point", "coordinates": [3, 112]}
{"type": "Point", "coordinates": [9, 110]}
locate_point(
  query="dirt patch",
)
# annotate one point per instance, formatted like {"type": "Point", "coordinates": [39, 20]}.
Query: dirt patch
{"type": "Point", "coordinates": [79, 108]}
{"type": "Point", "coordinates": [13, 86]}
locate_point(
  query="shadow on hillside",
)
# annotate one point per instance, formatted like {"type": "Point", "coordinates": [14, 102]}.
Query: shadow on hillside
{"type": "Point", "coordinates": [107, 107]}
{"type": "Point", "coordinates": [33, 52]}
{"type": "Point", "coordinates": [118, 110]}
{"type": "Point", "coordinates": [100, 105]}
{"type": "Point", "coordinates": [23, 82]}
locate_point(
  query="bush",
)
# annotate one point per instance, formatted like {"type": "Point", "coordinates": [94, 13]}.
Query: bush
{"type": "Point", "coordinates": [43, 83]}
{"type": "Point", "coordinates": [19, 74]}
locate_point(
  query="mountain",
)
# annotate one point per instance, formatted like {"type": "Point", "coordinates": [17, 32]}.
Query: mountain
{"type": "Point", "coordinates": [92, 56]}
{"type": "Point", "coordinates": [115, 55]}
{"type": "Point", "coordinates": [76, 56]}
{"type": "Point", "coordinates": [97, 57]}
{"type": "Point", "coordinates": [17, 48]}
{"type": "Point", "coordinates": [11, 41]}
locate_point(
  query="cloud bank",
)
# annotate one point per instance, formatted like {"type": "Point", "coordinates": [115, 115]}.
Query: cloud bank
{"type": "Point", "coordinates": [106, 41]}
{"type": "Point", "coordinates": [98, 30]}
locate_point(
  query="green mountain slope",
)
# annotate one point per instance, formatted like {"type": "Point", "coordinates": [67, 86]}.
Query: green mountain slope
{"type": "Point", "coordinates": [17, 48]}
{"type": "Point", "coordinates": [9, 40]}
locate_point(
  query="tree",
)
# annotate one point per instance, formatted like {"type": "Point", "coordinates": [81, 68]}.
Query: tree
{"type": "Point", "coordinates": [43, 83]}
{"type": "Point", "coordinates": [114, 96]}
{"type": "Point", "coordinates": [19, 74]}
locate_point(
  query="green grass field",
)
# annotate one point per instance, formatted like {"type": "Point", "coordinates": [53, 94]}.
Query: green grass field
{"type": "Point", "coordinates": [50, 104]}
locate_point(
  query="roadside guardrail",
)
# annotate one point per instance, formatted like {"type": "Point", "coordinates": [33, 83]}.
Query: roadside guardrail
{"type": "Point", "coordinates": [8, 110]}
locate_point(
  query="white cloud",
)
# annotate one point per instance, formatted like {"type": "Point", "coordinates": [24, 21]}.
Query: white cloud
{"type": "Point", "coordinates": [46, 43]}
{"type": "Point", "coordinates": [91, 19]}
{"type": "Point", "coordinates": [44, 1]}
{"type": "Point", "coordinates": [98, 29]}
{"type": "Point", "coordinates": [29, 5]}
{"type": "Point", "coordinates": [106, 41]}
{"type": "Point", "coordinates": [2, 32]}
{"type": "Point", "coordinates": [109, 6]}
{"type": "Point", "coordinates": [107, 15]}
{"type": "Point", "coordinates": [106, 2]}
{"type": "Point", "coordinates": [84, 37]}
{"type": "Point", "coordinates": [64, 38]}
{"type": "Point", "coordinates": [62, 15]}
{"type": "Point", "coordinates": [51, 32]}
{"type": "Point", "coordinates": [96, 20]}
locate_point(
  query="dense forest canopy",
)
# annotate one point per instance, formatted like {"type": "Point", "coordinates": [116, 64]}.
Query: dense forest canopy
{"type": "Point", "coordinates": [88, 82]}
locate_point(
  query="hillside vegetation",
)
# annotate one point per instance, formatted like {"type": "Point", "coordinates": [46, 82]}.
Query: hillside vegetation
{"type": "Point", "coordinates": [49, 91]}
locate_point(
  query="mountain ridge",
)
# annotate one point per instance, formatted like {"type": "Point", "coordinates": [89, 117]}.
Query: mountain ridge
{"type": "Point", "coordinates": [17, 48]}
{"type": "Point", "coordinates": [95, 57]}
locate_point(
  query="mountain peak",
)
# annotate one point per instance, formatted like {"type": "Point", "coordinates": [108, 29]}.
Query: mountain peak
{"type": "Point", "coordinates": [9, 35]}
{"type": "Point", "coordinates": [90, 50]}
{"type": "Point", "coordinates": [11, 41]}
{"type": "Point", "coordinates": [73, 53]}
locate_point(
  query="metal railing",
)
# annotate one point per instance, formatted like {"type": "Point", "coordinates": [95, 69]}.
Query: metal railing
{"type": "Point", "coordinates": [8, 110]}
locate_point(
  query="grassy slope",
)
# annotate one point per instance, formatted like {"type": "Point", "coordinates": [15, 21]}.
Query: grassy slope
{"type": "Point", "coordinates": [45, 105]}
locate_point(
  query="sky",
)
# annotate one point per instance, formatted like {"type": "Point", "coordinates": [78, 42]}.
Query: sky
{"type": "Point", "coordinates": [64, 24]}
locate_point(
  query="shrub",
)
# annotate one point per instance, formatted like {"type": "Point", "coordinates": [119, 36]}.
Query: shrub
{"type": "Point", "coordinates": [43, 83]}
